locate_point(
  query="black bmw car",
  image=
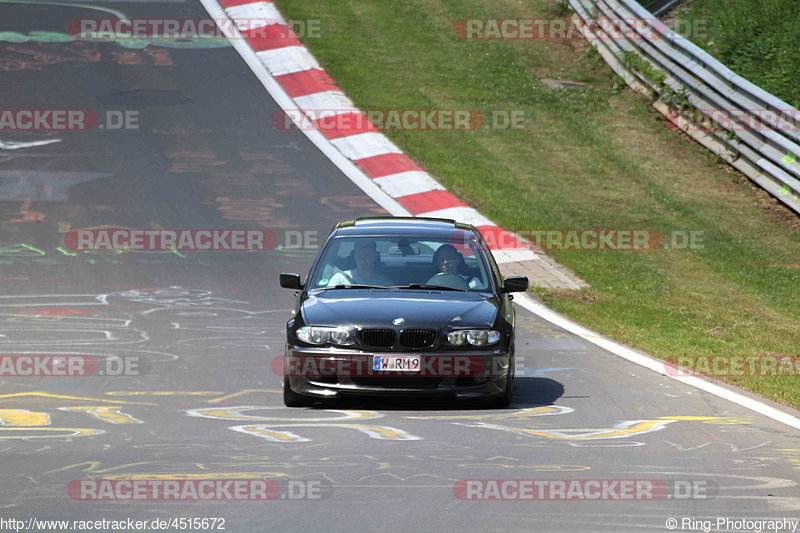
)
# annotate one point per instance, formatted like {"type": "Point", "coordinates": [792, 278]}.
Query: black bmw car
{"type": "Point", "coordinates": [401, 306]}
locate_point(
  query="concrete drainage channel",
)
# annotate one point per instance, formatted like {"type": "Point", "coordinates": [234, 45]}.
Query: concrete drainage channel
{"type": "Point", "coordinates": [545, 272]}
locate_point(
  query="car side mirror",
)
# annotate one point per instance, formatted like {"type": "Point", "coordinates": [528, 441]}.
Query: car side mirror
{"type": "Point", "coordinates": [515, 284]}
{"type": "Point", "coordinates": [291, 281]}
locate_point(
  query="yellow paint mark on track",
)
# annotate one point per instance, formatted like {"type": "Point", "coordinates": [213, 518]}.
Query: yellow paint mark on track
{"type": "Point", "coordinates": [216, 475]}
{"type": "Point", "coordinates": [163, 393]}
{"type": "Point", "coordinates": [707, 419]}
{"type": "Point", "coordinates": [523, 413]}
{"type": "Point", "coordinates": [437, 487]}
{"type": "Point", "coordinates": [375, 432]}
{"type": "Point", "coordinates": [535, 468]}
{"type": "Point", "coordinates": [24, 432]}
{"type": "Point", "coordinates": [93, 467]}
{"type": "Point", "coordinates": [792, 455]}
{"type": "Point", "coordinates": [242, 393]}
{"type": "Point", "coordinates": [406, 478]}
{"type": "Point", "coordinates": [625, 429]}
{"type": "Point", "coordinates": [234, 413]}
{"type": "Point", "coordinates": [23, 417]}
{"type": "Point", "coordinates": [63, 397]}
{"type": "Point", "coordinates": [271, 434]}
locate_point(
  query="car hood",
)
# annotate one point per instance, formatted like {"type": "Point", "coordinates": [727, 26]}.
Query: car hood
{"type": "Point", "coordinates": [377, 308]}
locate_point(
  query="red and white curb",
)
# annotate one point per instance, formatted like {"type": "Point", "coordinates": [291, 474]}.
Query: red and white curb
{"type": "Point", "coordinates": [311, 89]}
{"type": "Point", "coordinates": [295, 80]}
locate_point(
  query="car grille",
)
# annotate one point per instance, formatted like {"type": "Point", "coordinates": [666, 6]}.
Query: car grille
{"type": "Point", "coordinates": [377, 338]}
{"type": "Point", "coordinates": [417, 338]}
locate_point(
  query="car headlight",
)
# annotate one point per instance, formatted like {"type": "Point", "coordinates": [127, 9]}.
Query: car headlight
{"type": "Point", "coordinates": [475, 337]}
{"type": "Point", "coordinates": [322, 335]}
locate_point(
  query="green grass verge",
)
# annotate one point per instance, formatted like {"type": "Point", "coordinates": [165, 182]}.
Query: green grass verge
{"type": "Point", "coordinates": [596, 158]}
{"type": "Point", "coordinates": [758, 39]}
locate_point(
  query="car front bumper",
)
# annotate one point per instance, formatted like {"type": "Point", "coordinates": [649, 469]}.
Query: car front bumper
{"type": "Point", "coordinates": [330, 373]}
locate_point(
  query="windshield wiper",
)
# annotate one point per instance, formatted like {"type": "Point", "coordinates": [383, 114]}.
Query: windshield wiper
{"type": "Point", "coordinates": [425, 286]}
{"type": "Point", "coordinates": [356, 286]}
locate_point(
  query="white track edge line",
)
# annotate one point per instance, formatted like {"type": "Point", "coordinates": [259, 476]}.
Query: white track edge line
{"type": "Point", "coordinates": [654, 364]}
{"type": "Point", "coordinates": [384, 200]}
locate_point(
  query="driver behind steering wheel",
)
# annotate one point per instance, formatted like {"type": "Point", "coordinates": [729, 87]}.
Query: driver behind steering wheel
{"type": "Point", "coordinates": [449, 262]}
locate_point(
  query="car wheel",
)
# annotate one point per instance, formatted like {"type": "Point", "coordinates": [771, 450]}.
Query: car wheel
{"type": "Point", "coordinates": [292, 399]}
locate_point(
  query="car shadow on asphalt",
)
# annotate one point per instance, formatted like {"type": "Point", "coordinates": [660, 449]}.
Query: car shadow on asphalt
{"type": "Point", "coordinates": [528, 392]}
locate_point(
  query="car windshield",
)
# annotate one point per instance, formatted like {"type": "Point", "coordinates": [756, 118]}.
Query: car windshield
{"type": "Point", "coordinates": [358, 262]}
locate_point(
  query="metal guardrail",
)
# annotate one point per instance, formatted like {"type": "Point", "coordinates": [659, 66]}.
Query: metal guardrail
{"type": "Point", "coordinates": [752, 130]}
{"type": "Point", "coordinates": [661, 7]}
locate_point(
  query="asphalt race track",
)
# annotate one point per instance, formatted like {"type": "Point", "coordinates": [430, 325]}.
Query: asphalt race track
{"type": "Point", "coordinates": [204, 327]}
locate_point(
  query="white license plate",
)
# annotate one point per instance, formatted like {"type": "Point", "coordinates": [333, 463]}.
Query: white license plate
{"type": "Point", "coordinates": [395, 363]}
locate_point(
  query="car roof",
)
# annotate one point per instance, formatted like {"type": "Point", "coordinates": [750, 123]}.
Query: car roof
{"type": "Point", "coordinates": [405, 226]}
